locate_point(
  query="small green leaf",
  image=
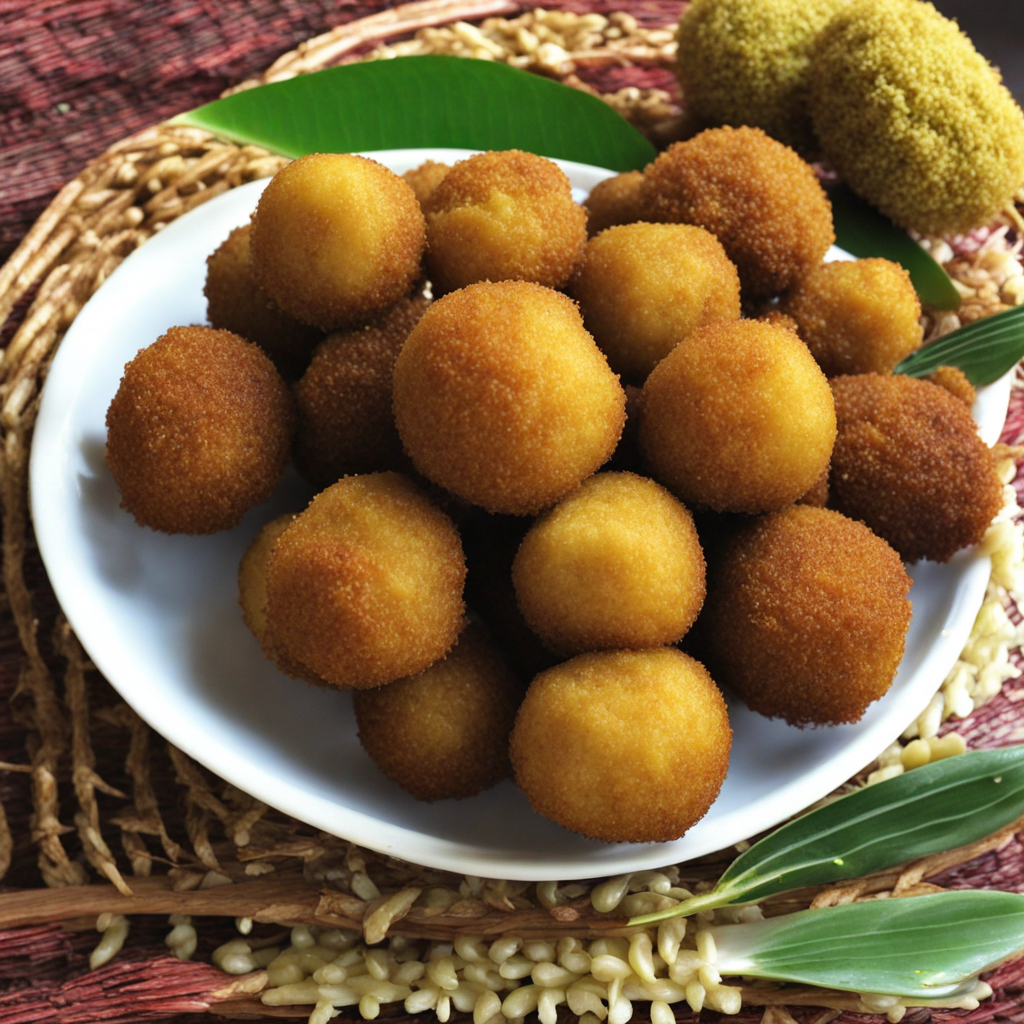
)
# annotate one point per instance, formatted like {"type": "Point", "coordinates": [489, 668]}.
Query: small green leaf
{"type": "Point", "coordinates": [919, 947]}
{"type": "Point", "coordinates": [936, 807]}
{"type": "Point", "coordinates": [862, 231]}
{"type": "Point", "coordinates": [984, 350]}
{"type": "Point", "coordinates": [425, 102]}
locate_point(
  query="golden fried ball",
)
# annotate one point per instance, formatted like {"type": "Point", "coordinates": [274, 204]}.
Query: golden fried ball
{"type": "Point", "coordinates": [614, 201]}
{"type": "Point", "coordinates": [444, 733]}
{"type": "Point", "coordinates": [252, 595]}
{"type": "Point", "coordinates": [955, 381]}
{"type": "Point", "coordinates": [505, 216]}
{"type": "Point", "coordinates": [344, 399]}
{"type": "Point", "coordinates": [738, 417]}
{"type": "Point", "coordinates": [908, 461]}
{"type": "Point", "coordinates": [502, 397]}
{"type": "Point", "coordinates": [762, 202]}
{"type": "Point", "coordinates": [617, 564]}
{"type": "Point", "coordinates": [857, 316]}
{"type": "Point", "coordinates": [590, 754]}
{"type": "Point", "coordinates": [642, 288]}
{"type": "Point", "coordinates": [365, 586]}
{"type": "Point", "coordinates": [199, 431]}
{"type": "Point", "coordinates": [336, 238]}
{"type": "Point", "coordinates": [806, 616]}
{"type": "Point", "coordinates": [235, 303]}
{"type": "Point", "coordinates": [425, 178]}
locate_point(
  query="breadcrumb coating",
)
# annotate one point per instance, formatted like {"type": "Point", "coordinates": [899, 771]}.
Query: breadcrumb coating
{"type": "Point", "coordinates": [857, 316]}
{"type": "Point", "coordinates": [234, 302]}
{"type": "Point", "coordinates": [625, 746]}
{"type": "Point", "coordinates": [738, 418]}
{"type": "Point", "coordinates": [365, 586]}
{"type": "Point", "coordinates": [502, 397]}
{"type": "Point", "coordinates": [745, 62]}
{"type": "Point", "coordinates": [913, 118]}
{"type": "Point", "coordinates": [336, 238]}
{"type": "Point", "coordinates": [807, 615]}
{"type": "Point", "coordinates": [616, 564]}
{"type": "Point", "coordinates": [345, 423]}
{"type": "Point", "coordinates": [614, 201]}
{"type": "Point", "coordinates": [503, 216]}
{"type": "Point", "coordinates": [444, 733]}
{"type": "Point", "coordinates": [955, 381]}
{"type": "Point", "coordinates": [908, 461]}
{"type": "Point", "coordinates": [755, 195]}
{"type": "Point", "coordinates": [425, 178]}
{"type": "Point", "coordinates": [199, 431]}
{"type": "Point", "coordinates": [643, 288]}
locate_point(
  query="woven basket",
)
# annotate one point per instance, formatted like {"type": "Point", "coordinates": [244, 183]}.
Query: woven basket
{"type": "Point", "coordinates": [93, 795]}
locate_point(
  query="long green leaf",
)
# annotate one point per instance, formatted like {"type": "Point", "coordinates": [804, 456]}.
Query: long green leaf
{"type": "Point", "coordinates": [918, 947]}
{"type": "Point", "coordinates": [984, 350]}
{"type": "Point", "coordinates": [426, 101]}
{"type": "Point", "coordinates": [936, 807]}
{"type": "Point", "coordinates": [862, 231]}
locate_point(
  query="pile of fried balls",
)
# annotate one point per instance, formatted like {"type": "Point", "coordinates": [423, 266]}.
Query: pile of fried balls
{"type": "Point", "coordinates": [570, 486]}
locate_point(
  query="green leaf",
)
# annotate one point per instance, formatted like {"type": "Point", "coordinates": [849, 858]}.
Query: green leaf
{"type": "Point", "coordinates": [426, 101]}
{"type": "Point", "coordinates": [937, 807]}
{"type": "Point", "coordinates": [862, 231]}
{"type": "Point", "coordinates": [920, 947]}
{"type": "Point", "coordinates": [984, 350]}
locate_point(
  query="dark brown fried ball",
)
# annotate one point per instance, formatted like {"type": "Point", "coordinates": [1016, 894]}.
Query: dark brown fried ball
{"type": "Point", "coordinates": [955, 381]}
{"type": "Point", "coordinates": [252, 595]}
{"type": "Point", "coordinates": [856, 316]}
{"type": "Point", "coordinates": [908, 462]}
{"type": "Point", "coordinates": [616, 564]}
{"type": "Point", "coordinates": [344, 399]}
{"type": "Point", "coordinates": [424, 179]}
{"type": "Point", "coordinates": [336, 238]}
{"type": "Point", "coordinates": [444, 733]}
{"type": "Point", "coordinates": [738, 417]}
{"type": "Point", "coordinates": [199, 431]}
{"type": "Point", "coordinates": [505, 216]}
{"type": "Point", "coordinates": [642, 288]}
{"type": "Point", "coordinates": [502, 397]}
{"type": "Point", "coordinates": [806, 616]}
{"type": "Point", "coordinates": [762, 202]}
{"type": "Point", "coordinates": [365, 586]}
{"type": "Point", "coordinates": [235, 303]}
{"type": "Point", "coordinates": [614, 201]}
{"type": "Point", "coordinates": [591, 753]}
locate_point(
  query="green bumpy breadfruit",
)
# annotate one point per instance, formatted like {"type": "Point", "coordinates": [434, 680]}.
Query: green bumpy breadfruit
{"type": "Point", "coordinates": [913, 118]}
{"type": "Point", "coordinates": [744, 62]}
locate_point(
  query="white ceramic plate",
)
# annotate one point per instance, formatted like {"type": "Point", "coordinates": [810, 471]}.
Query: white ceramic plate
{"type": "Point", "coordinates": [159, 616]}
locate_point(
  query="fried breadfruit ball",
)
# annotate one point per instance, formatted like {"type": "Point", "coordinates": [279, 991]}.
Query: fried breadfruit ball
{"type": "Point", "coordinates": [502, 397]}
{"type": "Point", "coordinates": [590, 754]}
{"type": "Point", "coordinates": [857, 316]}
{"type": "Point", "coordinates": [504, 216]}
{"type": "Point", "coordinates": [444, 733]}
{"type": "Point", "coordinates": [745, 62]}
{"type": "Point", "coordinates": [365, 586]}
{"type": "Point", "coordinates": [908, 461]}
{"type": "Point", "coordinates": [762, 202]}
{"type": "Point", "coordinates": [336, 238]}
{"type": "Point", "coordinates": [344, 399]}
{"type": "Point", "coordinates": [616, 564]}
{"type": "Point", "coordinates": [738, 418]}
{"type": "Point", "coordinates": [913, 118]}
{"type": "Point", "coordinates": [199, 431]}
{"type": "Point", "coordinates": [806, 616]}
{"type": "Point", "coordinates": [252, 595]}
{"type": "Point", "coordinates": [642, 288]}
{"type": "Point", "coordinates": [235, 303]}
{"type": "Point", "coordinates": [614, 201]}
{"type": "Point", "coordinates": [425, 178]}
